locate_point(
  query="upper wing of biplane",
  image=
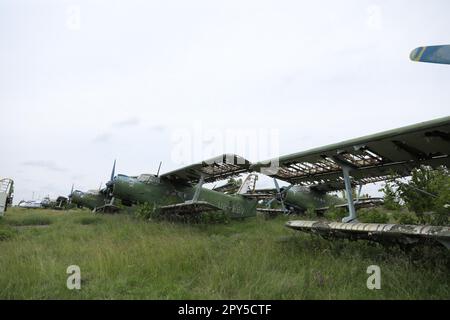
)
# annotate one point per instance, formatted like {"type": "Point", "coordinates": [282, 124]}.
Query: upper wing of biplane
{"type": "Point", "coordinates": [433, 54]}
{"type": "Point", "coordinates": [369, 159]}
{"type": "Point", "coordinates": [214, 169]}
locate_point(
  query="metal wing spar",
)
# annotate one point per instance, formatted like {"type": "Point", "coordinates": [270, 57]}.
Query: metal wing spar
{"type": "Point", "coordinates": [368, 159]}
{"type": "Point", "coordinates": [217, 168]}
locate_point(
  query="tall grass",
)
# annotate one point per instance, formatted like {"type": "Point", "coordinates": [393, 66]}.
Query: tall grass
{"type": "Point", "coordinates": [125, 258]}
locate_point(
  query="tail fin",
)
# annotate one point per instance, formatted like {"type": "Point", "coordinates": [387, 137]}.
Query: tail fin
{"type": "Point", "coordinates": [248, 186]}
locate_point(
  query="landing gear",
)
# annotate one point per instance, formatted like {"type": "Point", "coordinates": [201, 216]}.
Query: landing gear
{"type": "Point", "coordinates": [107, 208]}
{"type": "Point", "coordinates": [198, 188]}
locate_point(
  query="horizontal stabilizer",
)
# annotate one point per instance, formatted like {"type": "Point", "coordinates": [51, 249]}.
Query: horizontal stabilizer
{"type": "Point", "coordinates": [362, 203]}
{"type": "Point", "coordinates": [188, 208]}
{"type": "Point", "coordinates": [270, 211]}
{"type": "Point", "coordinates": [107, 208]}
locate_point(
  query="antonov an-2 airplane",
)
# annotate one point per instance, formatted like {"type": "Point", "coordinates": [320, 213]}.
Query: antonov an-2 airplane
{"type": "Point", "coordinates": [360, 161]}
{"type": "Point", "coordinates": [311, 175]}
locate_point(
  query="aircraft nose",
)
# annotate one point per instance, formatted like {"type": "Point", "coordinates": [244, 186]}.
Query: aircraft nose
{"type": "Point", "coordinates": [279, 196]}
{"type": "Point", "coordinates": [110, 187]}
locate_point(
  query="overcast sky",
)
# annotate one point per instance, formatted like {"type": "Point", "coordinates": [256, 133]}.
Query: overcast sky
{"type": "Point", "coordinates": [85, 82]}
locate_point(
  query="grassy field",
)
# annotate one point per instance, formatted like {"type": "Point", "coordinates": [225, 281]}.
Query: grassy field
{"type": "Point", "coordinates": [124, 258]}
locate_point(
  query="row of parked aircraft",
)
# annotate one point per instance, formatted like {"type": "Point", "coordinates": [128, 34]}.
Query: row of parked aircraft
{"type": "Point", "coordinates": [311, 176]}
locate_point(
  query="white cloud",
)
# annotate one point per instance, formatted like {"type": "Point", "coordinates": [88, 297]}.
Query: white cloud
{"type": "Point", "coordinates": [48, 165]}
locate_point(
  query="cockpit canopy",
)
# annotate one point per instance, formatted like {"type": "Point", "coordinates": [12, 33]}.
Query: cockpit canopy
{"type": "Point", "coordinates": [77, 193]}
{"type": "Point", "coordinates": [148, 178]}
{"type": "Point", "coordinates": [299, 188]}
{"type": "Point", "coordinates": [92, 192]}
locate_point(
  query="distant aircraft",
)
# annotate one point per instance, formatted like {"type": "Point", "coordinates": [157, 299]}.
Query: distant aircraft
{"type": "Point", "coordinates": [30, 204]}
{"type": "Point", "coordinates": [90, 199]}
{"type": "Point", "coordinates": [296, 199]}
{"type": "Point", "coordinates": [433, 54]}
{"type": "Point", "coordinates": [59, 203]}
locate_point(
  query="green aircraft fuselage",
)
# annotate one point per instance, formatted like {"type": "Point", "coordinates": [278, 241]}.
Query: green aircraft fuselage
{"type": "Point", "coordinates": [160, 192]}
{"type": "Point", "coordinates": [302, 198]}
{"type": "Point", "coordinates": [89, 200]}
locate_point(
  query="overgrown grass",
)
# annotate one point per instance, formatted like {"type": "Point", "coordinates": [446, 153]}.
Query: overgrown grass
{"type": "Point", "coordinates": [122, 257]}
{"type": "Point", "coordinates": [29, 220]}
{"type": "Point", "coordinates": [89, 220]}
{"type": "Point", "coordinates": [6, 233]}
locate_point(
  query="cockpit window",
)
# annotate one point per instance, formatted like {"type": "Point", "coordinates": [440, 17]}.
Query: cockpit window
{"type": "Point", "coordinates": [299, 188]}
{"type": "Point", "coordinates": [125, 177]}
{"type": "Point", "coordinates": [148, 178]}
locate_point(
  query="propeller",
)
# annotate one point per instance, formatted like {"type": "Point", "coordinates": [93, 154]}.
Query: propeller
{"type": "Point", "coordinates": [70, 194]}
{"type": "Point", "coordinates": [113, 171]}
{"type": "Point", "coordinates": [281, 192]}
{"type": "Point", "coordinates": [108, 191]}
{"type": "Point", "coordinates": [279, 195]}
{"type": "Point", "coordinates": [159, 168]}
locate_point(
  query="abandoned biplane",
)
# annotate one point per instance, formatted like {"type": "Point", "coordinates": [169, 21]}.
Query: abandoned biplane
{"type": "Point", "coordinates": [30, 204]}
{"type": "Point", "coordinates": [90, 199]}
{"type": "Point", "coordinates": [60, 203]}
{"type": "Point", "coordinates": [360, 161]}
{"type": "Point", "coordinates": [181, 191]}
{"type": "Point", "coordinates": [297, 199]}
